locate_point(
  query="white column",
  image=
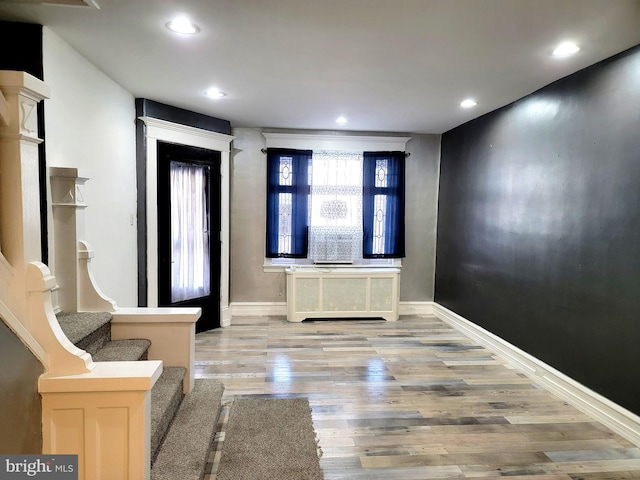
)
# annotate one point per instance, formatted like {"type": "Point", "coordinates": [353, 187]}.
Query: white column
{"type": "Point", "coordinates": [19, 181]}
{"type": "Point", "coordinates": [68, 205]}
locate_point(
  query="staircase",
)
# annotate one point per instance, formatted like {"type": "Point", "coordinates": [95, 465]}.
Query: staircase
{"type": "Point", "coordinates": [182, 426]}
{"type": "Point", "coordinates": [118, 388]}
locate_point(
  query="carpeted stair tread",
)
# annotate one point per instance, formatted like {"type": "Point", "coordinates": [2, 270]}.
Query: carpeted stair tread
{"type": "Point", "coordinates": [184, 453]}
{"type": "Point", "coordinates": [89, 331]}
{"type": "Point", "coordinates": [166, 396]}
{"type": "Point", "coordinates": [123, 350]}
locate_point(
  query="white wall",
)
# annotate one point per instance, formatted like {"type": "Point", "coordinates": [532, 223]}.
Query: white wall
{"type": "Point", "coordinates": [89, 124]}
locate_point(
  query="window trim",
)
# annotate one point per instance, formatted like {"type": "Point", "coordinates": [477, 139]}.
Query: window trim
{"type": "Point", "coordinates": [275, 265]}
{"type": "Point", "coordinates": [338, 141]}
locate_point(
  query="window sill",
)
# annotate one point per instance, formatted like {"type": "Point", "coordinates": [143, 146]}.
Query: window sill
{"type": "Point", "coordinates": [269, 267]}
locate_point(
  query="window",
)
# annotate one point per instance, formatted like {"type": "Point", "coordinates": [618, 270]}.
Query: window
{"type": "Point", "coordinates": [383, 208]}
{"type": "Point", "coordinates": [333, 206]}
{"type": "Point", "coordinates": [287, 202]}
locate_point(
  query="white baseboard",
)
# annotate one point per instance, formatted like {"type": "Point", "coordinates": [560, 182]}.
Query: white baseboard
{"type": "Point", "coordinates": [415, 308]}
{"type": "Point", "coordinates": [225, 321]}
{"type": "Point", "coordinates": [258, 309]}
{"type": "Point", "coordinates": [610, 414]}
{"type": "Point", "coordinates": [267, 309]}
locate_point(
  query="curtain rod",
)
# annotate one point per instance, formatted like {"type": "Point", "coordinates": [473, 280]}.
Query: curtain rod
{"type": "Point", "coordinates": [264, 150]}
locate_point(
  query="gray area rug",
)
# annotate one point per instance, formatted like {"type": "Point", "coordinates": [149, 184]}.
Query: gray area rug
{"type": "Point", "coordinates": [271, 439]}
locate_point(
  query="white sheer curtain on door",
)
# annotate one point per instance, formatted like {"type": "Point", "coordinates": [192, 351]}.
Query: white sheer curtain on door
{"type": "Point", "coordinates": [190, 263]}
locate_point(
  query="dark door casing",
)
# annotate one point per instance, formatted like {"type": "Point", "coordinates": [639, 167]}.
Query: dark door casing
{"type": "Point", "coordinates": [168, 153]}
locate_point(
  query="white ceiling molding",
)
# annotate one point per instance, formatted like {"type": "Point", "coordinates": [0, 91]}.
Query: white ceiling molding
{"type": "Point", "coordinates": [356, 143]}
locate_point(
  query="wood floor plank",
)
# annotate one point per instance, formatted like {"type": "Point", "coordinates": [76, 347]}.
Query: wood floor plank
{"type": "Point", "coordinates": [412, 399]}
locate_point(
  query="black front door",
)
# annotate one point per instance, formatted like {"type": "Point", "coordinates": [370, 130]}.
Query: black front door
{"type": "Point", "coordinates": [189, 230]}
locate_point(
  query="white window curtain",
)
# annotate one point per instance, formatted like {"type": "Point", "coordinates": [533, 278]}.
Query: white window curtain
{"type": "Point", "coordinates": [190, 262]}
{"type": "Point", "coordinates": [335, 210]}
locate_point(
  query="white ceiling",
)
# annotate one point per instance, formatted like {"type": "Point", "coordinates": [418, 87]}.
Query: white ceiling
{"type": "Point", "coordinates": [386, 65]}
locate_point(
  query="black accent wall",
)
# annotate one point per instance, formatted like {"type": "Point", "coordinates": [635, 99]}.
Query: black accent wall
{"type": "Point", "coordinates": [153, 109]}
{"type": "Point", "coordinates": [539, 225]}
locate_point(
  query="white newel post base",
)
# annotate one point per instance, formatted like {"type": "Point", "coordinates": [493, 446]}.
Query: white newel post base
{"type": "Point", "coordinates": [103, 416]}
{"type": "Point", "coordinates": [171, 331]}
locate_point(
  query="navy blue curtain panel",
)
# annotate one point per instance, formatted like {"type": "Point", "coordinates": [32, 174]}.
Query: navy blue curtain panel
{"type": "Point", "coordinates": [383, 205]}
{"type": "Point", "coordinates": [287, 202]}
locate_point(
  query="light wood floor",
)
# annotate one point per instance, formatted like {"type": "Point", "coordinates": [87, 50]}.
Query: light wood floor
{"type": "Point", "coordinates": [412, 399]}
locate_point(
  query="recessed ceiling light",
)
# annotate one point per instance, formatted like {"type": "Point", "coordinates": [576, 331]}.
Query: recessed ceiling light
{"type": "Point", "coordinates": [215, 93]}
{"type": "Point", "coordinates": [565, 49]}
{"type": "Point", "coordinates": [468, 103]}
{"type": "Point", "coordinates": [341, 120]}
{"type": "Point", "coordinates": [182, 25]}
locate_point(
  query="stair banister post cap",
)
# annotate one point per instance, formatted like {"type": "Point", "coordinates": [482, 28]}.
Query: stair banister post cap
{"type": "Point", "coordinates": [39, 278]}
{"type": "Point", "coordinates": [24, 83]}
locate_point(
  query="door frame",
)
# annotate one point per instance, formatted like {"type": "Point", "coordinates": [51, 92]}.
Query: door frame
{"type": "Point", "coordinates": [168, 153]}
{"type": "Point", "coordinates": [162, 130]}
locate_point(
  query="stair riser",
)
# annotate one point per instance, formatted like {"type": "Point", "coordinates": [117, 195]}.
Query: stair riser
{"type": "Point", "coordinates": [166, 397]}
{"type": "Point", "coordinates": [186, 449]}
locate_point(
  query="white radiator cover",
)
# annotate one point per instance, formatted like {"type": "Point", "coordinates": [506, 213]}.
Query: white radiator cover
{"type": "Point", "coordinates": [342, 292]}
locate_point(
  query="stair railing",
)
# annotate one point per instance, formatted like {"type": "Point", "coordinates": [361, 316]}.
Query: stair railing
{"type": "Point", "coordinates": [98, 410]}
